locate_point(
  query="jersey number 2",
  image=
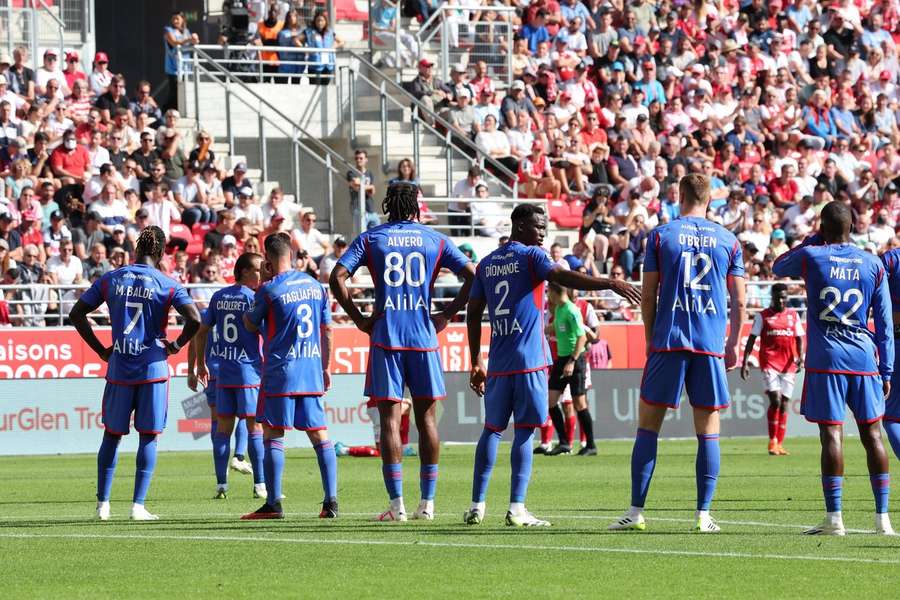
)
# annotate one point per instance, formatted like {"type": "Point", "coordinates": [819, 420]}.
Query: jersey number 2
{"type": "Point", "coordinates": [835, 294]}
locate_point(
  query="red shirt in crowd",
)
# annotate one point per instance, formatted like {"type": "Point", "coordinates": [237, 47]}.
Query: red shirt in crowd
{"type": "Point", "coordinates": [75, 162]}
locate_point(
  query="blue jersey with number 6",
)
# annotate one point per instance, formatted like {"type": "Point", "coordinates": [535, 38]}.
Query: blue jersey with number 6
{"type": "Point", "coordinates": [236, 350]}
{"type": "Point", "coordinates": [404, 259]}
{"type": "Point", "coordinates": [842, 284]}
{"type": "Point", "coordinates": [294, 307]}
{"type": "Point", "coordinates": [511, 280]}
{"type": "Point", "coordinates": [138, 297]}
{"type": "Point", "coordinates": [694, 257]}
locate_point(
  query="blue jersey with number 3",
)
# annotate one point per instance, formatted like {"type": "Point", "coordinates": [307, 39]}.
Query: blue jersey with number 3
{"type": "Point", "coordinates": [139, 298]}
{"type": "Point", "coordinates": [404, 259]}
{"type": "Point", "coordinates": [842, 284]}
{"type": "Point", "coordinates": [294, 307]}
{"type": "Point", "coordinates": [511, 280]}
{"type": "Point", "coordinates": [694, 257]}
{"type": "Point", "coordinates": [236, 350]}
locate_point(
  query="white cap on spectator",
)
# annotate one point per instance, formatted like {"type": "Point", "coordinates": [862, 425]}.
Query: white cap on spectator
{"type": "Point", "coordinates": [3, 79]}
{"type": "Point", "coordinates": [5, 58]}
{"type": "Point", "coordinates": [459, 68]}
{"type": "Point", "coordinates": [118, 227]}
{"type": "Point", "coordinates": [241, 166]}
{"type": "Point", "coordinates": [11, 265]}
{"type": "Point", "coordinates": [229, 240]}
{"type": "Point", "coordinates": [518, 84]}
{"type": "Point", "coordinates": [245, 190]}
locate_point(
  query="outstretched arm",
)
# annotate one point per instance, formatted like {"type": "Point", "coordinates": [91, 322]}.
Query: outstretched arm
{"type": "Point", "coordinates": [580, 281]}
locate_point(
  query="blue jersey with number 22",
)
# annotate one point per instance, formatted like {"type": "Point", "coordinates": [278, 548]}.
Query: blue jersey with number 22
{"type": "Point", "coordinates": [694, 257]}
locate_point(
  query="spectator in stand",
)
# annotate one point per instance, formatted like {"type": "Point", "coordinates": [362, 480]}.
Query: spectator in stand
{"type": "Point", "coordinates": [327, 264]}
{"type": "Point", "coordinates": [145, 155]}
{"type": "Point", "coordinates": [320, 36]}
{"type": "Point", "coordinates": [118, 241]}
{"type": "Point", "coordinates": [71, 162]}
{"type": "Point", "coordinates": [231, 185]}
{"type": "Point", "coordinates": [114, 98]}
{"type": "Point", "coordinates": [366, 183]}
{"type": "Point", "coordinates": [9, 130]}
{"type": "Point", "coordinates": [308, 239]}
{"type": "Point", "coordinates": [535, 30]}
{"type": "Point", "coordinates": [100, 76]}
{"type": "Point", "coordinates": [384, 13]}
{"type": "Point", "coordinates": [495, 144]}
{"type": "Point", "coordinates": [460, 212]}
{"type": "Point", "coordinates": [73, 71]}
{"type": "Point", "coordinates": [144, 103]}
{"type": "Point", "coordinates": [10, 235]}
{"type": "Point", "coordinates": [50, 71]}
{"type": "Point", "coordinates": [203, 154]}
{"type": "Point", "coordinates": [87, 235]}
{"type": "Point", "coordinates": [224, 226]}
{"type": "Point", "coordinates": [189, 193]}
{"type": "Point", "coordinates": [209, 277]}
{"type": "Point", "coordinates": [21, 77]}
{"type": "Point", "coordinates": [487, 217]}
{"type": "Point", "coordinates": [171, 155]}
{"type": "Point", "coordinates": [66, 268]}
{"type": "Point", "coordinates": [96, 263]}
{"type": "Point", "coordinates": [426, 89]}
{"type": "Point", "coordinates": [633, 241]}
{"type": "Point", "coordinates": [177, 38]}
{"type": "Point", "coordinates": [289, 37]}
{"type": "Point", "coordinates": [536, 178]}
{"type": "Point", "coordinates": [267, 31]}
{"type": "Point", "coordinates": [162, 210]}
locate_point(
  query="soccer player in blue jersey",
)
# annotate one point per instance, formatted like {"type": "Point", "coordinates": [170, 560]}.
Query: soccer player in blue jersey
{"type": "Point", "coordinates": [293, 312]}
{"type": "Point", "coordinates": [404, 258]}
{"type": "Point", "coordinates": [238, 364]}
{"type": "Point", "coordinates": [891, 260]}
{"type": "Point", "coordinates": [138, 297]}
{"type": "Point", "coordinates": [693, 271]}
{"type": "Point", "coordinates": [843, 284]}
{"type": "Point", "coordinates": [509, 282]}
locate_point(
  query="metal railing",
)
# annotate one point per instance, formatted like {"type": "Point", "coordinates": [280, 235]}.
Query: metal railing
{"type": "Point", "coordinates": [35, 27]}
{"type": "Point", "coordinates": [202, 65]}
{"type": "Point", "coordinates": [422, 119]}
{"type": "Point", "coordinates": [472, 217]}
{"type": "Point", "coordinates": [247, 63]}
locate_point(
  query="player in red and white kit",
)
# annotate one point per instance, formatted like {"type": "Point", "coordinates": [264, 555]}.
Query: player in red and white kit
{"type": "Point", "coordinates": [780, 356]}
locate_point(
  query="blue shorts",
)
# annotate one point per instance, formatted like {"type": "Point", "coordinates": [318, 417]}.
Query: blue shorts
{"type": "Point", "coordinates": [148, 401]}
{"type": "Point", "coordinates": [306, 413]}
{"type": "Point", "coordinates": [702, 375]}
{"type": "Point", "coordinates": [236, 401]}
{"type": "Point", "coordinates": [210, 392]}
{"type": "Point", "coordinates": [389, 371]}
{"type": "Point", "coordinates": [522, 396]}
{"type": "Point", "coordinates": [826, 397]}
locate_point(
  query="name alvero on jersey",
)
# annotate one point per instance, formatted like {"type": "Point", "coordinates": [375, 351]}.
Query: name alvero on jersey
{"type": "Point", "coordinates": [502, 321]}
{"type": "Point", "coordinates": [696, 266]}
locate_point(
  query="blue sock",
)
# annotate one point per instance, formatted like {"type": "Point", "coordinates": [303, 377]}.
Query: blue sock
{"type": "Point", "coordinates": [221, 451]}
{"type": "Point", "coordinates": [240, 438]}
{"type": "Point", "coordinates": [257, 455]}
{"type": "Point", "coordinates": [145, 463]}
{"type": "Point", "coordinates": [520, 460]}
{"type": "Point", "coordinates": [393, 479]}
{"type": "Point", "coordinates": [881, 488]}
{"type": "Point", "coordinates": [643, 462]}
{"type": "Point", "coordinates": [428, 475]}
{"type": "Point", "coordinates": [213, 428]}
{"type": "Point", "coordinates": [107, 457]}
{"type": "Point", "coordinates": [485, 457]}
{"type": "Point", "coordinates": [832, 487]}
{"type": "Point", "coordinates": [327, 468]}
{"type": "Point", "coordinates": [893, 433]}
{"type": "Point", "coordinates": [708, 457]}
{"type": "Point", "coordinates": [273, 465]}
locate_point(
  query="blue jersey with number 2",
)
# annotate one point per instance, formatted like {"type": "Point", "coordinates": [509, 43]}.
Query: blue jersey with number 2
{"type": "Point", "coordinates": [694, 257]}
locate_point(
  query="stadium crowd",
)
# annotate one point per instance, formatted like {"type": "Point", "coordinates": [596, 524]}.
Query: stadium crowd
{"type": "Point", "coordinates": [786, 105]}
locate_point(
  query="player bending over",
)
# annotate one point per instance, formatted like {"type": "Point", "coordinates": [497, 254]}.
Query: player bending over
{"type": "Point", "coordinates": [404, 258]}
{"type": "Point", "coordinates": [842, 284]}
{"type": "Point", "coordinates": [780, 356]}
{"type": "Point", "coordinates": [138, 297]}
{"type": "Point", "coordinates": [509, 282]}
{"type": "Point", "coordinates": [238, 363]}
{"type": "Point", "coordinates": [692, 269]}
{"type": "Point", "coordinates": [296, 361]}
{"type": "Point", "coordinates": [891, 262]}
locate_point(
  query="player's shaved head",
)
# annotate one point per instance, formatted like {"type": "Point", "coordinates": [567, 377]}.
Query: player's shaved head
{"type": "Point", "coordinates": [836, 221]}
{"type": "Point", "coordinates": [529, 224]}
{"type": "Point", "coordinates": [694, 190]}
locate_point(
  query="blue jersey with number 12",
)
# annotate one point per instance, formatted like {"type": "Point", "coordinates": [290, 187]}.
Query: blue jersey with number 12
{"type": "Point", "coordinates": [139, 298]}
{"type": "Point", "coordinates": [511, 280]}
{"type": "Point", "coordinates": [294, 307]}
{"type": "Point", "coordinates": [404, 259]}
{"type": "Point", "coordinates": [842, 284]}
{"type": "Point", "coordinates": [694, 257]}
{"type": "Point", "coordinates": [236, 350]}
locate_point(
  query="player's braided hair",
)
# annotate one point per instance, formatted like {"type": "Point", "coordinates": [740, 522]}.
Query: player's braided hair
{"type": "Point", "coordinates": [401, 202]}
{"type": "Point", "coordinates": [151, 242]}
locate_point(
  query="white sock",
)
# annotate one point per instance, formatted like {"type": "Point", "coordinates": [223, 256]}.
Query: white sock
{"type": "Point", "coordinates": [517, 508]}
{"type": "Point", "coordinates": [397, 505]}
{"type": "Point", "coordinates": [479, 506]}
{"type": "Point", "coordinates": [635, 511]}
{"type": "Point", "coordinates": [883, 520]}
{"type": "Point", "coordinates": [222, 486]}
{"type": "Point", "coordinates": [102, 503]}
{"type": "Point", "coordinates": [427, 505]}
{"type": "Point", "coordinates": [835, 517]}
{"type": "Point", "coordinates": [702, 514]}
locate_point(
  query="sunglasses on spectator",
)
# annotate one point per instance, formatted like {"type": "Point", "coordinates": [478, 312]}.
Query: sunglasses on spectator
{"type": "Point", "coordinates": [309, 219]}
{"type": "Point", "coordinates": [31, 256]}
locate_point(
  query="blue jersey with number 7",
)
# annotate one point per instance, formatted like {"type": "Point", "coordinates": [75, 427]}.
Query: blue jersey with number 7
{"type": "Point", "coordinates": [404, 258]}
{"type": "Point", "coordinates": [694, 257]}
{"type": "Point", "coordinates": [290, 311]}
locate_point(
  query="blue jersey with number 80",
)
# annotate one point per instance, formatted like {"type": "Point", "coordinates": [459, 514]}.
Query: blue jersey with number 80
{"type": "Point", "coordinates": [404, 258]}
{"type": "Point", "coordinates": [294, 307]}
{"type": "Point", "coordinates": [842, 284]}
{"type": "Point", "coordinates": [694, 257]}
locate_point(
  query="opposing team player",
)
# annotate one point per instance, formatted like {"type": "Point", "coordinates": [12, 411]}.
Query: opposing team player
{"type": "Point", "coordinates": [404, 258]}
{"type": "Point", "coordinates": [238, 365]}
{"type": "Point", "coordinates": [509, 282]}
{"type": "Point", "coordinates": [692, 269]}
{"type": "Point", "coordinates": [842, 284]}
{"type": "Point", "coordinates": [138, 297]}
{"type": "Point", "coordinates": [780, 356]}
{"type": "Point", "coordinates": [296, 362]}
{"type": "Point", "coordinates": [891, 262]}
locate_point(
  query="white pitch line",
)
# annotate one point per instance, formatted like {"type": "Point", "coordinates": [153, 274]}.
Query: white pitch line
{"type": "Point", "coordinates": [417, 543]}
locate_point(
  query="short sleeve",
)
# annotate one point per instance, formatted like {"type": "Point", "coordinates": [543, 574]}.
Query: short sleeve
{"type": "Point", "coordinates": [181, 296]}
{"type": "Point", "coordinates": [575, 318]}
{"type": "Point", "coordinates": [355, 255]}
{"type": "Point", "coordinates": [259, 307]}
{"type": "Point", "coordinates": [541, 263]}
{"type": "Point", "coordinates": [650, 256]}
{"type": "Point", "coordinates": [592, 321]}
{"type": "Point", "coordinates": [736, 263]}
{"type": "Point", "coordinates": [756, 328]}
{"type": "Point", "coordinates": [452, 258]}
{"type": "Point", "coordinates": [326, 306]}
{"type": "Point", "coordinates": [93, 297]}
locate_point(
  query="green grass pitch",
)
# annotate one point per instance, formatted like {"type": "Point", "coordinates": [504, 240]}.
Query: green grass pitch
{"type": "Point", "coordinates": [52, 548]}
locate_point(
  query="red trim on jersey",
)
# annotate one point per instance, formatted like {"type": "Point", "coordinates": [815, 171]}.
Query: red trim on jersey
{"type": "Point", "coordinates": [270, 320]}
{"type": "Point", "coordinates": [324, 428]}
{"type": "Point", "coordinates": [870, 421]}
{"type": "Point", "coordinates": [238, 387]}
{"type": "Point", "coordinates": [437, 268]}
{"type": "Point", "coordinates": [527, 426]}
{"type": "Point", "coordinates": [837, 372]}
{"type": "Point", "coordinates": [691, 350]}
{"type": "Point", "coordinates": [492, 428]}
{"type": "Point", "coordinates": [148, 432]}
{"type": "Point", "coordinates": [880, 276]}
{"type": "Point", "coordinates": [734, 249]}
{"type": "Point", "coordinates": [653, 403]}
{"type": "Point", "coordinates": [520, 372]}
{"type": "Point", "coordinates": [891, 419]}
{"type": "Point", "coordinates": [401, 348]}
{"type": "Point", "coordinates": [811, 420]}
{"type": "Point", "coordinates": [157, 380]}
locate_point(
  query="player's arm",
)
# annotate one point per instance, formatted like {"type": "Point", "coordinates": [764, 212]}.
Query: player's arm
{"type": "Point", "coordinates": [198, 343]}
{"type": "Point", "coordinates": [191, 366]}
{"type": "Point", "coordinates": [800, 351]}
{"type": "Point", "coordinates": [737, 293]}
{"type": "Point", "coordinates": [326, 335]}
{"type": "Point", "coordinates": [580, 281]}
{"type": "Point", "coordinates": [649, 290]}
{"type": "Point", "coordinates": [338, 284]}
{"type": "Point", "coordinates": [884, 331]}
{"type": "Point", "coordinates": [441, 319]}
{"type": "Point", "coordinates": [755, 332]}
{"type": "Point", "coordinates": [790, 264]}
{"type": "Point", "coordinates": [474, 313]}
{"type": "Point", "coordinates": [188, 311]}
{"type": "Point", "coordinates": [78, 316]}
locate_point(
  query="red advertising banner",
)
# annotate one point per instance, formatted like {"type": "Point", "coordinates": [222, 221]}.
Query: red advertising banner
{"type": "Point", "coordinates": [59, 352]}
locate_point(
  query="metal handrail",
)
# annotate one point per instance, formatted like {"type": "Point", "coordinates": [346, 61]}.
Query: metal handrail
{"type": "Point", "coordinates": [419, 110]}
